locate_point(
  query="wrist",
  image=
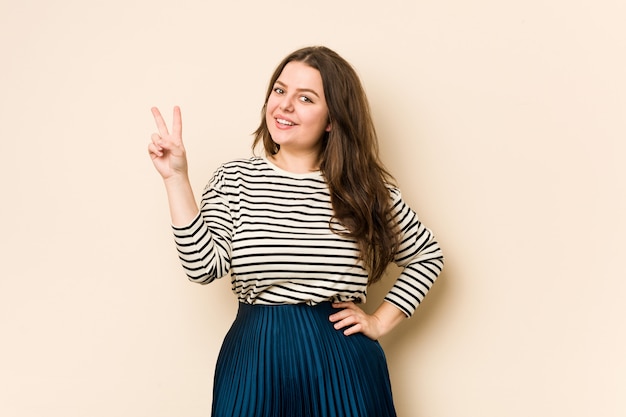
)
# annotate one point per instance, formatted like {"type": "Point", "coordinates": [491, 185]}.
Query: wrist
{"type": "Point", "coordinates": [381, 328]}
{"type": "Point", "coordinates": [387, 317]}
{"type": "Point", "coordinates": [177, 179]}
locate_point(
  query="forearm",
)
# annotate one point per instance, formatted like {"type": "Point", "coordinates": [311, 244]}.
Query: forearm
{"type": "Point", "coordinates": [182, 202]}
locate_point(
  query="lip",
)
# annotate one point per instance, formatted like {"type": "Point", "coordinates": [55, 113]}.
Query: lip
{"type": "Point", "coordinates": [282, 126]}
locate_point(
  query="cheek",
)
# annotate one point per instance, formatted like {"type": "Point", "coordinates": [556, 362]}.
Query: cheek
{"type": "Point", "coordinates": [271, 105]}
{"type": "Point", "coordinates": [322, 119]}
{"type": "Point", "coordinates": [268, 113]}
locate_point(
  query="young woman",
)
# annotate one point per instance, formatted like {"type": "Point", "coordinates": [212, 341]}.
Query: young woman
{"type": "Point", "coordinates": [302, 230]}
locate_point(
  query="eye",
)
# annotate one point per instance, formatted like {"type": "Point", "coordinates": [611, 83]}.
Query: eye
{"type": "Point", "coordinates": [305, 99]}
{"type": "Point", "coordinates": [279, 90]}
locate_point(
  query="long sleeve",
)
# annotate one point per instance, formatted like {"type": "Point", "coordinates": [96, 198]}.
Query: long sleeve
{"type": "Point", "coordinates": [204, 246]}
{"type": "Point", "coordinates": [420, 256]}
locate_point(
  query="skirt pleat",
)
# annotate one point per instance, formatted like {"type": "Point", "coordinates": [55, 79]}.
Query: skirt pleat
{"type": "Point", "coordinates": [289, 361]}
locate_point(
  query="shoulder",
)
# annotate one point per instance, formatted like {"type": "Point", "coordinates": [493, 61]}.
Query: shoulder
{"type": "Point", "coordinates": [244, 172]}
{"type": "Point", "coordinates": [394, 193]}
{"type": "Point", "coordinates": [247, 166]}
{"type": "Point", "coordinates": [253, 162]}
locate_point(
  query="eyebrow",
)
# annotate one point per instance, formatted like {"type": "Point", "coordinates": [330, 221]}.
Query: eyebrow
{"type": "Point", "coordinates": [308, 90]}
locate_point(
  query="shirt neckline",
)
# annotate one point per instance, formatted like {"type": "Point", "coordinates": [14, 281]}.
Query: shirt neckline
{"type": "Point", "coordinates": [312, 174]}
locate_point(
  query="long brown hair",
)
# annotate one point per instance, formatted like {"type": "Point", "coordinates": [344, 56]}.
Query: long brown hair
{"type": "Point", "coordinates": [349, 158]}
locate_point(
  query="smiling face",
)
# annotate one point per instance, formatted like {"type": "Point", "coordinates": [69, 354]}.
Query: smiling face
{"type": "Point", "coordinates": [296, 112]}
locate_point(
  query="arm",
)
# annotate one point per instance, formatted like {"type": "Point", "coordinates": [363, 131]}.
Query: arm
{"type": "Point", "coordinates": [169, 158]}
{"type": "Point", "coordinates": [420, 256]}
{"type": "Point", "coordinates": [182, 203]}
{"type": "Point", "coordinates": [422, 259]}
{"type": "Point", "coordinates": [202, 257]}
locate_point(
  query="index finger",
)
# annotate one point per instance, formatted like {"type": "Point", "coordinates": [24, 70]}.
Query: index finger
{"type": "Point", "coordinates": [159, 122]}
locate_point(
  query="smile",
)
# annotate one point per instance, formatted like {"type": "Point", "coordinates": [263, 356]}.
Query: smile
{"type": "Point", "coordinates": [285, 122]}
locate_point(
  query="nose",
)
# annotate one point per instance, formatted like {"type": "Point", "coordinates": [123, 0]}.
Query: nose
{"type": "Point", "coordinates": [286, 103]}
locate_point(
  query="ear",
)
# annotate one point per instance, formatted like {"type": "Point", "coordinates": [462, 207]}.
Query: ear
{"type": "Point", "coordinates": [329, 127]}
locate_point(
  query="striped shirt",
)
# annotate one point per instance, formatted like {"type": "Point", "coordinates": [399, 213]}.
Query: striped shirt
{"type": "Point", "coordinates": [271, 230]}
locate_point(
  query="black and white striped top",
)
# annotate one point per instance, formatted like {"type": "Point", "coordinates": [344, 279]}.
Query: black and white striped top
{"type": "Point", "coordinates": [270, 229]}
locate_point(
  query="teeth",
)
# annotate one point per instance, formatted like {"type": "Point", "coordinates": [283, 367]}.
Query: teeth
{"type": "Point", "coordinates": [284, 122]}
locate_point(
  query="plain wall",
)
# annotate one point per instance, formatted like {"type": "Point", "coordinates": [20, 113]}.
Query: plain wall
{"type": "Point", "coordinates": [503, 122]}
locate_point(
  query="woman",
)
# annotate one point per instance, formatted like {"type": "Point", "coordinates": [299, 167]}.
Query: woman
{"type": "Point", "coordinates": [302, 230]}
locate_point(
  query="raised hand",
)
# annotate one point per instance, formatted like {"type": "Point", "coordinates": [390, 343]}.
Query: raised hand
{"type": "Point", "coordinates": [169, 158]}
{"type": "Point", "coordinates": [166, 149]}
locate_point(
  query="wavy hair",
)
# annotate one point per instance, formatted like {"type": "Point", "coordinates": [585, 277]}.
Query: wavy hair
{"type": "Point", "coordinates": [349, 158]}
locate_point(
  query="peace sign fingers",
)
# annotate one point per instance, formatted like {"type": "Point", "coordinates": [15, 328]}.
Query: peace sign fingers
{"type": "Point", "coordinates": [167, 150]}
{"type": "Point", "coordinates": [177, 125]}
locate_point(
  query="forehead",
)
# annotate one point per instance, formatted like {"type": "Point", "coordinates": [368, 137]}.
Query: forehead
{"type": "Point", "coordinates": [300, 75]}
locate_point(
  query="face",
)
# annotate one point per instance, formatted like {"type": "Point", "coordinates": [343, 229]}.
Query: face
{"type": "Point", "coordinates": [296, 112]}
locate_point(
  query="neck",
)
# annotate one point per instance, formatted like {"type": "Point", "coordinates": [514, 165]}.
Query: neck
{"type": "Point", "coordinates": [297, 164]}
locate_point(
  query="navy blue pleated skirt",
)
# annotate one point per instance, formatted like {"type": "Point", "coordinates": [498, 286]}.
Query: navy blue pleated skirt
{"type": "Point", "coordinates": [289, 361]}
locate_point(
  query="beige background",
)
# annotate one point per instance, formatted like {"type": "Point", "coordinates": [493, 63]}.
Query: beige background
{"type": "Point", "coordinates": [503, 122]}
